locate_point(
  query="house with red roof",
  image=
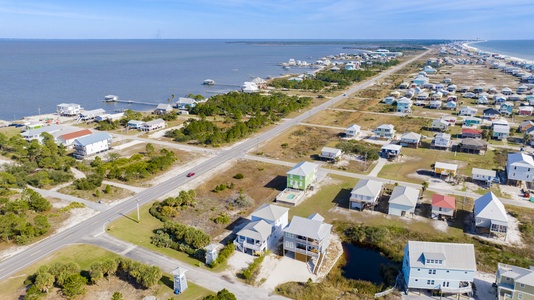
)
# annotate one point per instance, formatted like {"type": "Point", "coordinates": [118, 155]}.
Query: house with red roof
{"type": "Point", "coordinates": [68, 139]}
{"type": "Point", "coordinates": [443, 206]}
{"type": "Point", "coordinates": [471, 133]}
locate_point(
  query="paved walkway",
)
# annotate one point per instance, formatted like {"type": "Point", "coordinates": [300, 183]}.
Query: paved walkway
{"type": "Point", "coordinates": [381, 163]}
{"type": "Point", "coordinates": [205, 278]}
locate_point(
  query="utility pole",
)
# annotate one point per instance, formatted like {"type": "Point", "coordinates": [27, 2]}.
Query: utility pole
{"type": "Point", "coordinates": [138, 216]}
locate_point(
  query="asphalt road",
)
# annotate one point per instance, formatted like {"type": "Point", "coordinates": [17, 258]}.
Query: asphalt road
{"type": "Point", "coordinates": [95, 225]}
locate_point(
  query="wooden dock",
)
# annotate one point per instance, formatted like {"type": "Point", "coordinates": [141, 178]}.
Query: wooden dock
{"type": "Point", "coordinates": [131, 102]}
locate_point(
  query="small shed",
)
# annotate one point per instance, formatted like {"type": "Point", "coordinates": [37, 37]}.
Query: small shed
{"type": "Point", "coordinates": [180, 282]}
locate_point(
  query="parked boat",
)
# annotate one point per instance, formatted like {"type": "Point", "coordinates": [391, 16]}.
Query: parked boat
{"type": "Point", "coordinates": [208, 82]}
{"type": "Point", "coordinates": [111, 98]}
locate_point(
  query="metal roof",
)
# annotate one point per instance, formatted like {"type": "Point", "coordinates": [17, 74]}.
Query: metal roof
{"type": "Point", "coordinates": [367, 187]}
{"type": "Point", "coordinates": [404, 195]}
{"type": "Point", "coordinates": [154, 122]}
{"type": "Point", "coordinates": [520, 160]}
{"type": "Point", "coordinates": [303, 168]}
{"type": "Point", "coordinates": [520, 275]}
{"type": "Point", "coordinates": [484, 172]}
{"type": "Point", "coordinates": [92, 138]}
{"type": "Point", "coordinates": [411, 136]}
{"type": "Point", "coordinates": [443, 201]}
{"type": "Point", "coordinates": [447, 166]}
{"type": "Point", "coordinates": [311, 228]}
{"type": "Point", "coordinates": [258, 230]}
{"type": "Point", "coordinates": [270, 212]}
{"type": "Point", "coordinates": [491, 208]}
{"type": "Point", "coordinates": [331, 150]}
{"type": "Point", "coordinates": [454, 256]}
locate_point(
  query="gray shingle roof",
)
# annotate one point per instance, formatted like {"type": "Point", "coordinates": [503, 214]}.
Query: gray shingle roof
{"type": "Point", "coordinates": [454, 256]}
{"type": "Point", "coordinates": [367, 187]}
{"type": "Point", "coordinates": [520, 275]}
{"type": "Point", "coordinates": [404, 195]}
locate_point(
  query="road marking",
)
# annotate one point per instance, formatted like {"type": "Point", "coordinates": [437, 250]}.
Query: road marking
{"type": "Point", "coordinates": [34, 253]}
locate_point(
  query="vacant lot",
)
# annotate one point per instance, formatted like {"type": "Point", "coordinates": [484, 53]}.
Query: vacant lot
{"type": "Point", "coordinates": [300, 143]}
{"type": "Point", "coordinates": [100, 194]}
{"type": "Point", "coordinates": [368, 121]}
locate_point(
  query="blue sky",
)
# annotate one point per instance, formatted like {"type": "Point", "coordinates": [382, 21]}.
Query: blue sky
{"type": "Point", "coordinates": [267, 19]}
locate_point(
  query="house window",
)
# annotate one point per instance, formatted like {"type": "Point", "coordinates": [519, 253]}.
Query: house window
{"type": "Point", "coordinates": [519, 296]}
{"type": "Point", "coordinates": [432, 272]}
{"type": "Point", "coordinates": [417, 280]}
{"type": "Point", "coordinates": [522, 285]}
{"type": "Point", "coordinates": [430, 282]}
{"type": "Point", "coordinates": [515, 168]}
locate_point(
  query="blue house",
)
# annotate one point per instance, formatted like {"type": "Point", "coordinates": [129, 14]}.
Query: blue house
{"type": "Point", "coordinates": [451, 105]}
{"type": "Point", "coordinates": [506, 108]}
{"type": "Point", "coordinates": [389, 100]}
{"type": "Point", "coordinates": [404, 105]}
{"type": "Point", "coordinates": [445, 267]}
{"type": "Point", "coordinates": [471, 121]}
{"type": "Point", "coordinates": [420, 80]}
{"type": "Point", "coordinates": [185, 103]}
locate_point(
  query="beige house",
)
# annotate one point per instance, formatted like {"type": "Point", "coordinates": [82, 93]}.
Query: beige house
{"type": "Point", "coordinates": [514, 283]}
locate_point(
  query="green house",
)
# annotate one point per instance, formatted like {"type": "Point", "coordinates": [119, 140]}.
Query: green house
{"type": "Point", "coordinates": [302, 175]}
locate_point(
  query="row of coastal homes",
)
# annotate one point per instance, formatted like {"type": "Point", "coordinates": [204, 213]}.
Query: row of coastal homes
{"type": "Point", "coordinates": [147, 126]}
{"type": "Point", "coordinates": [304, 239]}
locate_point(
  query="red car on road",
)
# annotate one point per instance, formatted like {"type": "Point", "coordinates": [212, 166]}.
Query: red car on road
{"type": "Point", "coordinates": [190, 174]}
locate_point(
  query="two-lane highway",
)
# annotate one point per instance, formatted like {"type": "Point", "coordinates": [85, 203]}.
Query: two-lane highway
{"type": "Point", "coordinates": [95, 224]}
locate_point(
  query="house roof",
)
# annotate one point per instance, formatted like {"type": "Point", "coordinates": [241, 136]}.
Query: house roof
{"type": "Point", "coordinates": [447, 166]}
{"type": "Point", "coordinates": [135, 122]}
{"type": "Point", "coordinates": [94, 112]}
{"type": "Point", "coordinates": [367, 187]}
{"type": "Point", "coordinates": [501, 128]}
{"type": "Point", "coordinates": [312, 228]}
{"type": "Point", "coordinates": [164, 106]}
{"type": "Point", "coordinates": [491, 111]}
{"type": "Point", "coordinates": [490, 207]}
{"type": "Point", "coordinates": [443, 201]}
{"type": "Point", "coordinates": [471, 131]}
{"type": "Point", "coordinates": [442, 135]}
{"type": "Point", "coordinates": [474, 142]}
{"type": "Point", "coordinates": [303, 168]}
{"type": "Point", "coordinates": [330, 150]}
{"type": "Point", "coordinates": [186, 100]}
{"type": "Point", "coordinates": [520, 160]}
{"type": "Point", "coordinates": [455, 256]}
{"type": "Point", "coordinates": [154, 122]}
{"type": "Point", "coordinates": [180, 271]}
{"type": "Point", "coordinates": [520, 275]}
{"type": "Point", "coordinates": [258, 230]}
{"type": "Point", "coordinates": [76, 134]}
{"type": "Point", "coordinates": [404, 195]}
{"type": "Point", "coordinates": [211, 247]}
{"type": "Point", "coordinates": [411, 136]}
{"type": "Point", "coordinates": [392, 147]}
{"type": "Point", "coordinates": [270, 212]}
{"type": "Point", "coordinates": [92, 138]}
{"type": "Point", "coordinates": [440, 121]}
{"type": "Point", "coordinates": [38, 131]}
{"type": "Point", "coordinates": [354, 127]}
{"type": "Point", "coordinates": [484, 172]}
{"type": "Point", "coordinates": [385, 126]}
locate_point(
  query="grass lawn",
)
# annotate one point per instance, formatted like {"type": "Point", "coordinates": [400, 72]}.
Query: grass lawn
{"type": "Point", "coordinates": [84, 256]}
{"type": "Point", "coordinates": [116, 193]}
{"type": "Point", "coordinates": [127, 229]}
{"type": "Point", "coordinates": [421, 159]}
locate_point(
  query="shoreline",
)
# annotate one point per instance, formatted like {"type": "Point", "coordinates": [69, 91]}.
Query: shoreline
{"type": "Point", "coordinates": [468, 46]}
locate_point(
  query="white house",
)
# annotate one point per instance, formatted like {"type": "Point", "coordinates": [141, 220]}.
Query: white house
{"type": "Point", "coordinates": [264, 230]}
{"type": "Point", "coordinates": [90, 115]}
{"type": "Point", "coordinates": [135, 124]}
{"type": "Point", "coordinates": [410, 139]}
{"type": "Point", "coordinates": [446, 267]}
{"type": "Point", "coordinates": [490, 215]}
{"type": "Point", "coordinates": [92, 144]}
{"type": "Point", "coordinates": [35, 134]}
{"type": "Point", "coordinates": [163, 108]}
{"type": "Point", "coordinates": [330, 153]}
{"type": "Point", "coordinates": [403, 200]}
{"type": "Point", "coordinates": [390, 150]}
{"type": "Point", "coordinates": [353, 130]}
{"type": "Point", "coordinates": [468, 111]}
{"type": "Point", "coordinates": [385, 131]}
{"type": "Point", "coordinates": [440, 124]}
{"type": "Point", "coordinates": [68, 139]}
{"type": "Point", "coordinates": [185, 103]}
{"type": "Point", "coordinates": [520, 166]}
{"type": "Point", "coordinates": [307, 239]}
{"type": "Point", "coordinates": [443, 205]}
{"type": "Point", "coordinates": [366, 192]}
{"type": "Point", "coordinates": [153, 125]}
{"type": "Point", "coordinates": [250, 87]}
{"type": "Point", "coordinates": [442, 140]}
{"type": "Point", "coordinates": [484, 175]}
{"type": "Point", "coordinates": [68, 109]}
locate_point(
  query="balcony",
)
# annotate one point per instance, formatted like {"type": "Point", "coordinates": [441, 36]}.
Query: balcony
{"type": "Point", "coordinates": [303, 239]}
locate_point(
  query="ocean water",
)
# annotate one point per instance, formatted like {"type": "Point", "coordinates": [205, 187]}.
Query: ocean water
{"type": "Point", "coordinates": [36, 75]}
{"type": "Point", "coordinates": [517, 48]}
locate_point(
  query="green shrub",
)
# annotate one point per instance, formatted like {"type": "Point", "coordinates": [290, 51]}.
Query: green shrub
{"type": "Point", "coordinates": [239, 176]}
